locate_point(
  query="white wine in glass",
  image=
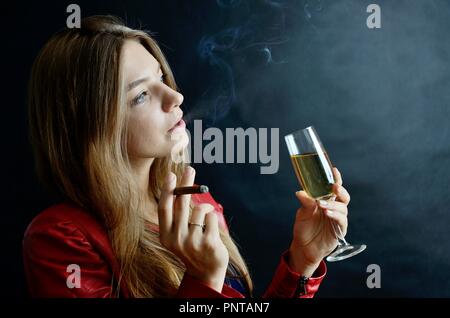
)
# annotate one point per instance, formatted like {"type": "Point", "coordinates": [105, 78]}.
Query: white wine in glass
{"type": "Point", "coordinates": [315, 174]}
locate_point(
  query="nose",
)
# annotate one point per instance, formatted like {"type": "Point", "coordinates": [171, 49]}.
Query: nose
{"type": "Point", "coordinates": [172, 99]}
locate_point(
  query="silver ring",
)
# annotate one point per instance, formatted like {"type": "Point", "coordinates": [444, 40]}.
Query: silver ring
{"type": "Point", "coordinates": [198, 224]}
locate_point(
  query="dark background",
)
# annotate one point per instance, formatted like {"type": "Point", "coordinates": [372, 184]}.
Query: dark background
{"type": "Point", "coordinates": [378, 98]}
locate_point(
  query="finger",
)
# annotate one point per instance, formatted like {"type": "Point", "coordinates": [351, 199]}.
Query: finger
{"type": "Point", "coordinates": [337, 176]}
{"type": "Point", "coordinates": [186, 180]}
{"type": "Point", "coordinates": [339, 218]}
{"type": "Point", "coordinates": [334, 206]}
{"type": "Point", "coordinates": [165, 205]}
{"type": "Point", "coordinates": [181, 207]}
{"type": "Point", "coordinates": [211, 224]}
{"type": "Point", "coordinates": [198, 217]}
{"type": "Point", "coordinates": [341, 193]}
{"type": "Point", "coordinates": [309, 206]}
{"type": "Point", "coordinates": [306, 201]}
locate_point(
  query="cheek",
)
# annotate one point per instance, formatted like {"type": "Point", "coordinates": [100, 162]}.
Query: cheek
{"type": "Point", "coordinates": [145, 134]}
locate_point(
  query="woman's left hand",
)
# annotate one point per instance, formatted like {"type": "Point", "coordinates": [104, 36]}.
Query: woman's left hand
{"type": "Point", "coordinates": [314, 237]}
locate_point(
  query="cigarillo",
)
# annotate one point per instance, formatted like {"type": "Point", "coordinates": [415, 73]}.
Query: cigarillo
{"type": "Point", "coordinates": [191, 190]}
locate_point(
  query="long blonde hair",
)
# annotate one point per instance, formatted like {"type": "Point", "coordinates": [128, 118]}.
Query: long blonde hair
{"type": "Point", "coordinates": [78, 129]}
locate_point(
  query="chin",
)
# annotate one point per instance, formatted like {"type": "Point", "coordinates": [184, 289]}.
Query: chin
{"type": "Point", "coordinates": [178, 143]}
{"type": "Point", "coordinates": [180, 137]}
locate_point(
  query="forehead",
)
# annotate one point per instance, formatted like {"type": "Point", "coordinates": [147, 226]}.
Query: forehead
{"type": "Point", "coordinates": [137, 61]}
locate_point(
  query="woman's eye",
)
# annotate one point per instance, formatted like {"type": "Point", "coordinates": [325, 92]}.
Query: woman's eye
{"type": "Point", "coordinates": [141, 98]}
{"type": "Point", "coordinates": [162, 78]}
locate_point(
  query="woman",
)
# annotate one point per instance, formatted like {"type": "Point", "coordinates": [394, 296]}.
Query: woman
{"type": "Point", "coordinates": [105, 125]}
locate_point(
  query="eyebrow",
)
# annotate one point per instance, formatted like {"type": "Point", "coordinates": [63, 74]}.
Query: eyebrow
{"type": "Point", "coordinates": [140, 80]}
{"type": "Point", "coordinates": [137, 82]}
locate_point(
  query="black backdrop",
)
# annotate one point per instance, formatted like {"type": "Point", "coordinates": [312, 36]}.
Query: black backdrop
{"type": "Point", "coordinates": [379, 99]}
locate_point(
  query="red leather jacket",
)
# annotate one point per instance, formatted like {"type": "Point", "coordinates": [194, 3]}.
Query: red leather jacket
{"type": "Point", "coordinates": [65, 234]}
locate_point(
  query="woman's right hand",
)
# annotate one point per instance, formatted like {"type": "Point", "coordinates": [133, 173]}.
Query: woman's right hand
{"type": "Point", "coordinates": [202, 251]}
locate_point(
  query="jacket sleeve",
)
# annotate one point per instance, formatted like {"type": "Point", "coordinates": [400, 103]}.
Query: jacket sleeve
{"type": "Point", "coordinates": [193, 288]}
{"type": "Point", "coordinates": [288, 284]}
{"type": "Point", "coordinates": [49, 249]}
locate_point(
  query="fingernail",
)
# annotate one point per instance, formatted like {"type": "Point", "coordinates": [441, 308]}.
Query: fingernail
{"type": "Point", "coordinates": [330, 213]}
{"type": "Point", "coordinates": [190, 170]}
{"type": "Point", "coordinates": [323, 203]}
{"type": "Point", "coordinates": [170, 177]}
{"type": "Point", "coordinates": [297, 192]}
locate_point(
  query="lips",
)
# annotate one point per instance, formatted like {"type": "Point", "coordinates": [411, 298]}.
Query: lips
{"type": "Point", "coordinates": [179, 124]}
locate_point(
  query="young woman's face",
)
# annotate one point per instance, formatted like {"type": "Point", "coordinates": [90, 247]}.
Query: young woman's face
{"type": "Point", "coordinates": [153, 107]}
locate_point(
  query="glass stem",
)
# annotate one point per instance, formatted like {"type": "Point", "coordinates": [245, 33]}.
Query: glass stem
{"type": "Point", "coordinates": [338, 232]}
{"type": "Point", "coordinates": [337, 229]}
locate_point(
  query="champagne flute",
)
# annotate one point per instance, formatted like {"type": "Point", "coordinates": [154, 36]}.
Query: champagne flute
{"type": "Point", "coordinates": [314, 172]}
